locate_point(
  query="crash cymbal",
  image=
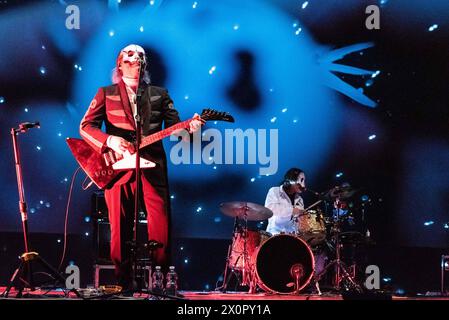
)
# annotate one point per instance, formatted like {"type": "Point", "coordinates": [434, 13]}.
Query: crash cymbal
{"type": "Point", "coordinates": [245, 210]}
{"type": "Point", "coordinates": [340, 192]}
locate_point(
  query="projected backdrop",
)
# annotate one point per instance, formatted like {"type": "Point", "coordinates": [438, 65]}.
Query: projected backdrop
{"type": "Point", "coordinates": [310, 70]}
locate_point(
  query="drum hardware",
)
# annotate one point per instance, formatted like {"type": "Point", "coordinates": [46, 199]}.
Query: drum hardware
{"type": "Point", "coordinates": [341, 272]}
{"type": "Point", "coordinates": [297, 272]}
{"type": "Point", "coordinates": [239, 260]}
{"type": "Point", "coordinates": [234, 263]}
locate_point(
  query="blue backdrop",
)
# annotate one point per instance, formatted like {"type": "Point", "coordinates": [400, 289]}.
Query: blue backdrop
{"type": "Point", "coordinates": [309, 69]}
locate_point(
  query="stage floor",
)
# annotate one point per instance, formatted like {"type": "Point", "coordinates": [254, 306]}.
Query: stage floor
{"type": "Point", "coordinates": [91, 294]}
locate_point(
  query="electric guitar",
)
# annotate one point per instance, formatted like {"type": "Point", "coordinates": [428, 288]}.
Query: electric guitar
{"type": "Point", "coordinates": [106, 168]}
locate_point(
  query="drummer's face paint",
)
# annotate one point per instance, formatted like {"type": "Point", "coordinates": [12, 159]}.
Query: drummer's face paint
{"type": "Point", "coordinates": [302, 180]}
{"type": "Point", "coordinates": [300, 183]}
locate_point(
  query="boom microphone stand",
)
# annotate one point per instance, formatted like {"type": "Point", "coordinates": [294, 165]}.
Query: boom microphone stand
{"type": "Point", "coordinates": [23, 276]}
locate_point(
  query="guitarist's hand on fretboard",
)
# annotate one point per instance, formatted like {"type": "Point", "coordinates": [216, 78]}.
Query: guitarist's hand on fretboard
{"type": "Point", "coordinates": [196, 123]}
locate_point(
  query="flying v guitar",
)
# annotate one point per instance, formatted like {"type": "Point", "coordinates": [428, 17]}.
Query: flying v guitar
{"type": "Point", "coordinates": [105, 168]}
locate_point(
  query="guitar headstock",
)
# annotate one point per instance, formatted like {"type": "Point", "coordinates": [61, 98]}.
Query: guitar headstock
{"type": "Point", "coordinates": [214, 115]}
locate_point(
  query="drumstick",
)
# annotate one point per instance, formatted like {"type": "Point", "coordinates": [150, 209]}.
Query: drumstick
{"type": "Point", "coordinates": [308, 208]}
{"type": "Point", "coordinates": [313, 205]}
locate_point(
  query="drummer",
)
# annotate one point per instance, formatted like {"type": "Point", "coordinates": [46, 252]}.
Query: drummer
{"type": "Point", "coordinates": [286, 202]}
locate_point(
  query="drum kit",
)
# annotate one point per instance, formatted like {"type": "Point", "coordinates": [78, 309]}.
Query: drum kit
{"type": "Point", "coordinates": [285, 263]}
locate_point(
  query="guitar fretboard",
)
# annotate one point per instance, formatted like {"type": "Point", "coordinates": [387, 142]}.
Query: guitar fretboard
{"type": "Point", "coordinates": [164, 133]}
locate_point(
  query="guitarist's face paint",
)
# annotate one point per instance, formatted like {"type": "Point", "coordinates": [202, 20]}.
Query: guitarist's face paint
{"type": "Point", "coordinates": [129, 70]}
{"type": "Point", "coordinates": [129, 59]}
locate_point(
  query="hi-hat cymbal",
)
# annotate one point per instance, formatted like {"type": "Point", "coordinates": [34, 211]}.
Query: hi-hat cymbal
{"type": "Point", "coordinates": [245, 210]}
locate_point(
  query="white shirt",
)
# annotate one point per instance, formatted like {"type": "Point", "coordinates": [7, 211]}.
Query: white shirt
{"type": "Point", "coordinates": [279, 202]}
{"type": "Point", "coordinates": [131, 87]}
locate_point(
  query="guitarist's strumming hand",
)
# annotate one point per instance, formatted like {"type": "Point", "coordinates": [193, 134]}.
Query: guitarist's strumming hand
{"type": "Point", "coordinates": [119, 145]}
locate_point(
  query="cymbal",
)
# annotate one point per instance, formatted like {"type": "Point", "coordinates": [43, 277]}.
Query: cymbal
{"type": "Point", "coordinates": [341, 192]}
{"type": "Point", "coordinates": [245, 210]}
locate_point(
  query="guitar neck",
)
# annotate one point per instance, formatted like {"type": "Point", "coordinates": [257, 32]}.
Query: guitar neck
{"type": "Point", "coordinates": [152, 138]}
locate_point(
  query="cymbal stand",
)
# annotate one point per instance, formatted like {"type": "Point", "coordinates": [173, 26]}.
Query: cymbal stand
{"type": "Point", "coordinates": [227, 277]}
{"type": "Point", "coordinates": [246, 273]}
{"type": "Point", "coordinates": [246, 279]}
{"type": "Point", "coordinates": [341, 273]}
{"type": "Point", "coordinates": [245, 270]}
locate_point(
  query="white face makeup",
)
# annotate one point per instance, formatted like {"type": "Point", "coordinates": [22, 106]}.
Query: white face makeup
{"type": "Point", "coordinates": [298, 185]}
{"type": "Point", "coordinates": [133, 53]}
{"type": "Point", "coordinates": [301, 180]}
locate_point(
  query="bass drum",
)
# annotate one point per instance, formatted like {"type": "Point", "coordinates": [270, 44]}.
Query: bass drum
{"type": "Point", "coordinates": [283, 263]}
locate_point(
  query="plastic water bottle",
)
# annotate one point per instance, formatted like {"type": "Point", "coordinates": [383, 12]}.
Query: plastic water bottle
{"type": "Point", "coordinates": [171, 287]}
{"type": "Point", "coordinates": [157, 281]}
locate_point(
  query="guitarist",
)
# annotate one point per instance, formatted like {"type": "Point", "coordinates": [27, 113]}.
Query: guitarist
{"type": "Point", "coordinates": [115, 106]}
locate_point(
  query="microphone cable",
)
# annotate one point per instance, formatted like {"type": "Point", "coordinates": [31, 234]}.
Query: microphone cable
{"type": "Point", "coordinates": [67, 217]}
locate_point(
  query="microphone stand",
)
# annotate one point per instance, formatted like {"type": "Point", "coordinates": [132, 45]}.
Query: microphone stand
{"type": "Point", "coordinates": [151, 245]}
{"type": "Point", "coordinates": [23, 275]}
{"type": "Point", "coordinates": [139, 92]}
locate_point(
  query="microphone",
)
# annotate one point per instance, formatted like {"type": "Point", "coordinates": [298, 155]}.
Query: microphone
{"type": "Point", "coordinates": [142, 62]}
{"type": "Point", "coordinates": [312, 191]}
{"type": "Point", "coordinates": [24, 126]}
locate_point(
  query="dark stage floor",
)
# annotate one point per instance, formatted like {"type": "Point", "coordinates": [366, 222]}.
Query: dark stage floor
{"type": "Point", "coordinates": [198, 295]}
